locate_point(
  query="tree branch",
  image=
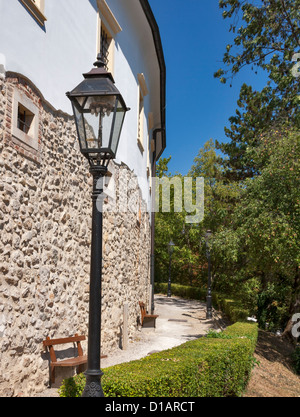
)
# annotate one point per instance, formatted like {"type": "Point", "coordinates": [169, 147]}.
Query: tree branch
{"type": "Point", "coordinates": [290, 22]}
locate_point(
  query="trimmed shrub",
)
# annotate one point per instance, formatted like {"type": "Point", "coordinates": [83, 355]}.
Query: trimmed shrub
{"type": "Point", "coordinates": [184, 291]}
{"type": "Point", "coordinates": [232, 308]}
{"type": "Point", "coordinates": [205, 367]}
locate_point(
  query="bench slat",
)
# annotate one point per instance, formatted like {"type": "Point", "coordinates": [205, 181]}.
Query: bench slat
{"type": "Point", "coordinates": [51, 342]}
{"type": "Point", "coordinates": [79, 360]}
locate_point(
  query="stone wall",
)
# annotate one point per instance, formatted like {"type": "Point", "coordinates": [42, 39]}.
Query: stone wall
{"type": "Point", "coordinates": [45, 226]}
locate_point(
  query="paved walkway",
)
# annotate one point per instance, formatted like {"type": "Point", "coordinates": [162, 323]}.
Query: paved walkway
{"type": "Point", "coordinates": [179, 320]}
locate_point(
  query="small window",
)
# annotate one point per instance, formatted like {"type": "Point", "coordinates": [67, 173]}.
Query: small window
{"type": "Point", "coordinates": [38, 3]}
{"type": "Point", "coordinates": [105, 43]}
{"type": "Point", "coordinates": [141, 122]}
{"type": "Point", "coordinates": [36, 8]}
{"type": "Point", "coordinates": [143, 91]}
{"type": "Point", "coordinates": [108, 28]}
{"type": "Point", "coordinates": [25, 120]}
{"type": "Point", "coordinates": [149, 148]}
{"type": "Point", "coordinates": [148, 160]}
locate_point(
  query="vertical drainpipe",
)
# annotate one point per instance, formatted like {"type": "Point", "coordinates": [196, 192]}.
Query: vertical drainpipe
{"type": "Point", "coordinates": [152, 258]}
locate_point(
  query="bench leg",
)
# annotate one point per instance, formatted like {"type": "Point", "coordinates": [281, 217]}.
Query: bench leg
{"type": "Point", "coordinates": [52, 372]}
{"type": "Point", "coordinates": [80, 369]}
{"type": "Point", "coordinates": [149, 322]}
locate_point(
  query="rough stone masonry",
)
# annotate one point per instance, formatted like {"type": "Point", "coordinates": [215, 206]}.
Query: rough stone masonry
{"type": "Point", "coordinates": [45, 228]}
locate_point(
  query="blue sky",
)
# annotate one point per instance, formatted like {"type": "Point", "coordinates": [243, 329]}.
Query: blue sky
{"type": "Point", "coordinates": [194, 37]}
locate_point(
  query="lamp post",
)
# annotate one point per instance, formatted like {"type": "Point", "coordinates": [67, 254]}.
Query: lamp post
{"type": "Point", "coordinates": [99, 112]}
{"type": "Point", "coordinates": [186, 233]}
{"type": "Point", "coordinates": [208, 236]}
{"type": "Point", "coordinates": [171, 245]}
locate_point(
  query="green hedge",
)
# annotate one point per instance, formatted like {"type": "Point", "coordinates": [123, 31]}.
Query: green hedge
{"type": "Point", "coordinates": [217, 366]}
{"type": "Point", "coordinates": [233, 309]}
{"type": "Point", "coordinates": [184, 291]}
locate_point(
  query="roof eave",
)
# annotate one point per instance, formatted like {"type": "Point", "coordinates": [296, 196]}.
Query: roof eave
{"type": "Point", "coordinates": [161, 60]}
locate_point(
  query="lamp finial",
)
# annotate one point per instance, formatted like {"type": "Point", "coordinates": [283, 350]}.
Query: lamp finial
{"type": "Point", "coordinates": [100, 61]}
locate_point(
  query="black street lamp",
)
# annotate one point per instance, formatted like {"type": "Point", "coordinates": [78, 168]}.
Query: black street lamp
{"type": "Point", "coordinates": [171, 245]}
{"type": "Point", "coordinates": [208, 236]}
{"type": "Point", "coordinates": [99, 111]}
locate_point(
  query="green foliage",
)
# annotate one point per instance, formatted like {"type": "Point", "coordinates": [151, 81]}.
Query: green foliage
{"type": "Point", "coordinates": [233, 308]}
{"type": "Point", "coordinates": [296, 359]}
{"type": "Point", "coordinates": [266, 38]}
{"type": "Point", "coordinates": [184, 291]}
{"type": "Point", "coordinates": [272, 309]}
{"type": "Point", "coordinates": [220, 196]}
{"type": "Point", "coordinates": [255, 250]}
{"type": "Point", "coordinates": [72, 387]}
{"type": "Point", "coordinates": [247, 330]}
{"type": "Point", "coordinates": [263, 237]}
{"type": "Point", "coordinates": [162, 167]}
{"type": "Point", "coordinates": [252, 200]}
{"type": "Point", "coordinates": [201, 368]}
{"type": "Point", "coordinates": [171, 225]}
{"type": "Point", "coordinates": [213, 334]}
{"type": "Point", "coordinates": [189, 261]}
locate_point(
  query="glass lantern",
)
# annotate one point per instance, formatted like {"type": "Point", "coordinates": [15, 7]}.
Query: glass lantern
{"type": "Point", "coordinates": [99, 112]}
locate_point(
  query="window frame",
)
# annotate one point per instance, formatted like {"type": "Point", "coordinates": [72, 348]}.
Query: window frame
{"type": "Point", "coordinates": [107, 22]}
{"type": "Point", "coordinates": [149, 145]}
{"type": "Point", "coordinates": [141, 115]}
{"type": "Point", "coordinates": [109, 58]}
{"type": "Point", "coordinates": [31, 138]}
{"type": "Point", "coordinates": [142, 93]}
{"type": "Point", "coordinates": [36, 8]}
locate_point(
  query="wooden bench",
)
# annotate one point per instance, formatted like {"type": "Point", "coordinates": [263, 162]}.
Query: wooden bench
{"type": "Point", "coordinates": [148, 320]}
{"type": "Point", "coordinates": [79, 360]}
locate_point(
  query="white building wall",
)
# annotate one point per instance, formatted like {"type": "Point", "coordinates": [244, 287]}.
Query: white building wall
{"type": "Point", "coordinates": [55, 57]}
{"type": "Point", "coordinates": [136, 55]}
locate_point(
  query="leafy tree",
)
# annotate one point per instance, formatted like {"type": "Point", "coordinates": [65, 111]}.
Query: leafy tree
{"type": "Point", "coordinates": [170, 225]}
{"type": "Point", "coordinates": [189, 259]}
{"type": "Point", "coordinates": [267, 38]}
{"type": "Point", "coordinates": [252, 201]}
{"type": "Point", "coordinates": [220, 195]}
{"type": "Point", "coordinates": [263, 240]}
{"type": "Point", "coordinates": [162, 169]}
{"type": "Point", "coordinates": [256, 226]}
